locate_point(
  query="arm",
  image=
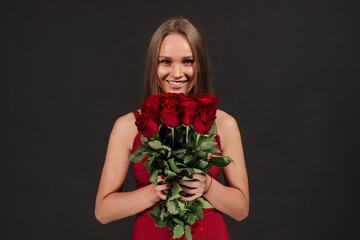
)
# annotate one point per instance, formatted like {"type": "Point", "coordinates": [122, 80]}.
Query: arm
{"type": "Point", "coordinates": [112, 204]}
{"type": "Point", "coordinates": [233, 198]}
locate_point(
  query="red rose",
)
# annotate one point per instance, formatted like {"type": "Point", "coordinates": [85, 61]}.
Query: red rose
{"type": "Point", "coordinates": [152, 107]}
{"type": "Point", "coordinates": [170, 113]}
{"type": "Point", "coordinates": [208, 100]}
{"type": "Point", "coordinates": [204, 119]}
{"type": "Point", "coordinates": [146, 125]}
{"type": "Point", "coordinates": [189, 108]}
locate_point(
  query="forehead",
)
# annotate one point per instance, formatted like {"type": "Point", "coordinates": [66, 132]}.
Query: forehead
{"type": "Point", "coordinates": [175, 45]}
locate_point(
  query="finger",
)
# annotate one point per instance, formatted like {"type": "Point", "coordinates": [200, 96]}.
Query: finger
{"type": "Point", "coordinates": [191, 190]}
{"type": "Point", "coordinates": [162, 195]}
{"type": "Point", "coordinates": [161, 187]}
{"type": "Point", "coordinates": [189, 184]}
{"type": "Point", "coordinates": [199, 176]}
{"type": "Point", "coordinates": [190, 198]}
{"type": "Point", "coordinates": [161, 178]}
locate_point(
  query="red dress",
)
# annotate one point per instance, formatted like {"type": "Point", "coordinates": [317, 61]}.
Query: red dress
{"type": "Point", "coordinates": [212, 226]}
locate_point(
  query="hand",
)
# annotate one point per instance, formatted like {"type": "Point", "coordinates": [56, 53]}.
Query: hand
{"type": "Point", "coordinates": [197, 188]}
{"type": "Point", "coordinates": [159, 188]}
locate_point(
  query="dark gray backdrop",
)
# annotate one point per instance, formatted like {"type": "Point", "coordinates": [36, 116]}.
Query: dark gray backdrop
{"type": "Point", "coordinates": [288, 71]}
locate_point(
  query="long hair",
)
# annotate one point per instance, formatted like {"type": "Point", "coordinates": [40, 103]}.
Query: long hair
{"type": "Point", "coordinates": [182, 26]}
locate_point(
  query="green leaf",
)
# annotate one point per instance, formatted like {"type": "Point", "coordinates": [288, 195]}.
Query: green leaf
{"type": "Point", "coordinates": [154, 177]}
{"type": "Point", "coordinates": [187, 158]}
{"type": "Point", "coordinates": [202, 164]}
{"type": "Point", "coordinates": [202, 154]}
{"type": "Point", "coordinates": [179, 153]}
{"type": "Point", "coordinates": [165, 165]}
{"type": "Point", "coordinates": [166, 147]}
{"type": "Point", "coordinates": [136, 157]}
{"type": "Point", "coordinates": [142, 148]}
{"type": "Point", "coordinates": [149, 165]}
{"type": "Point", "coordinates": [162, 214]}
{"type": "Point", "coordinates": [188, 232]}
{"type": "Point", "coordinates": [207, 144]}
{"type": "Point", "coordinates": [213, 129]}
{"type": "Point", "coordinates": [207, 168]}
{"type": "Point", "coordinates": [144, 139]}
{"type": "Point", "coordinates": [181, 205]}
{"type": "Point", "coordinates": [153, 155]}
{"type": "Point", "coordinates": [156, 211]}
{"type": "Point", "coordinates": [175, 190]}
{"type": "Point", "coordinates": [203, 203]}
{"type": "Point", "coordinates": [161, 224]}
{"type": "Point", "coordinates": [214, 150]}
{"type": "Point", "coordinates": [156, 219]}
{"type": "Point", "coordinates": [191, 218]}
{"type": "Point", "coordinates": [198, 170]}
{"type": "Point", "coordinates": [189, 203]}
{"type": "Point", "coordinates": [197, 210]}
{"type": "Point", "coordinates": [171, 225]}
{"type": "Point", "coordinates": [155, 144]}
{"type": "Point", "coordinates": [180, 150]}
{"type": "Point", "coordinates": [156, 215]}
{"type": "Point", "coordinates": [220, 161]}
{"type": "Point", "coordinates": [180, 164]}
{"type": "Point", "coordinates": [171, 207]}
{"type": "Point", "coordinates": [132, 156]}
{"type": "Point", "coordinates": [188, 170]}
{"type": "Point", "coordinates": [178, 221]}
{"type": "Point", "coordinates": [178, 231]}
{"type": "Point", "coordinates": [186, 178]}
{"type": "Point", "coordinates": [182, 213]}
{"type": "Point", "coordinates": [169, 174]}
{"type": "Point", "coordinates": [173, 166]}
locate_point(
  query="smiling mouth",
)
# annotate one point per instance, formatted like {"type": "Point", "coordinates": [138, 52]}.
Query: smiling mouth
{"type": "Point", "coordinates": [177, 83]}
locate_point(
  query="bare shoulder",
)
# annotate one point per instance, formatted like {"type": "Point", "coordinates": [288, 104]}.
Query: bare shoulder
{"type": "Point", "coordinates": [125, 121]}
{"type": "Point", "coordinates": [125, 126]}
{"type": "Point", "coordinates": [226, 127]}
{"type": "Point", "coordinates": [224, 120]}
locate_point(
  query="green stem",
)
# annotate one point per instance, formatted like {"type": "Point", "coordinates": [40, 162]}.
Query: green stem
{"type": "Point", "coordinates": [197, 139]}
{"type": "Point", "coordinates": [187, 134]}
{"type": "Point", "coordinates": [172, 136]}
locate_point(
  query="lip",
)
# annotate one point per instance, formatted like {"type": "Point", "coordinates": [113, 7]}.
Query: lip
{"type": "Point", "coordinates": [176, 86]}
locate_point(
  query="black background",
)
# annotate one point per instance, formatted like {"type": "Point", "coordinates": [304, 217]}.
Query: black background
{"type": "Point", "coordinates": [288, 71]}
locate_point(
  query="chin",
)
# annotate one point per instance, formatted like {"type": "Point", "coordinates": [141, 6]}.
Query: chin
{"type": "Point", "coordinates": [177, 91]}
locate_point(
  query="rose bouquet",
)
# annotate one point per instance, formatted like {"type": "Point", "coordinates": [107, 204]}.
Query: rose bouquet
{"type": "Point", "coordinates": [177, 135]}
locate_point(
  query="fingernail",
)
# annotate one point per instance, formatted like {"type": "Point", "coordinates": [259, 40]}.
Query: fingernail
{"type": "Point", "coordinates": [167, 185]}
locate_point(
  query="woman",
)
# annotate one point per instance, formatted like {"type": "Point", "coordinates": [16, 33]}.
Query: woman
{"type": "Point", "coordinates": [176, 62]}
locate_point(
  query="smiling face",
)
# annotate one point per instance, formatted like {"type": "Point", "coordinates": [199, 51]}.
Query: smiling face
{"type": "Point", "coordinates": [176, 65]}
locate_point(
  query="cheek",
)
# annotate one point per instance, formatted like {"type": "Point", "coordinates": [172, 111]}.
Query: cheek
{"type": "Point", "coordinates": [190, 71]}
{"type": "Point", "coordinates": [162, 72]}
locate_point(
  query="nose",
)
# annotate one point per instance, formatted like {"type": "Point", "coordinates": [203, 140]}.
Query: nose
{"type": "Point", "coordinates": [176, 70]}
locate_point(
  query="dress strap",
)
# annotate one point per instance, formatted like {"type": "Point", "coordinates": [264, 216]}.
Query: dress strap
{"type": "Point", "coordinates": [136, 113]}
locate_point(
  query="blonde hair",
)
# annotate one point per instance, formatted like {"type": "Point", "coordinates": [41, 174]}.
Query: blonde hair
{"type": "Point", "coordinates": [184, 27]}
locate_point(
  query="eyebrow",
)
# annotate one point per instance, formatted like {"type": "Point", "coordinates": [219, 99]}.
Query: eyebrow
{"type": "Point", "coordinates": [187, 57]}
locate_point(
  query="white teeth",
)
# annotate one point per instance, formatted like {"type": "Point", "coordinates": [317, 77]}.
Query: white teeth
{"type": "Point", "coordinates": [177, 83]}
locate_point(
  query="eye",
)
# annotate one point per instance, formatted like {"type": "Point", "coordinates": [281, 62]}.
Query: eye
{"type": "Point", "coordinates": [164, 61]}
{"type": "Point", "coordinates": [189, 61]}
